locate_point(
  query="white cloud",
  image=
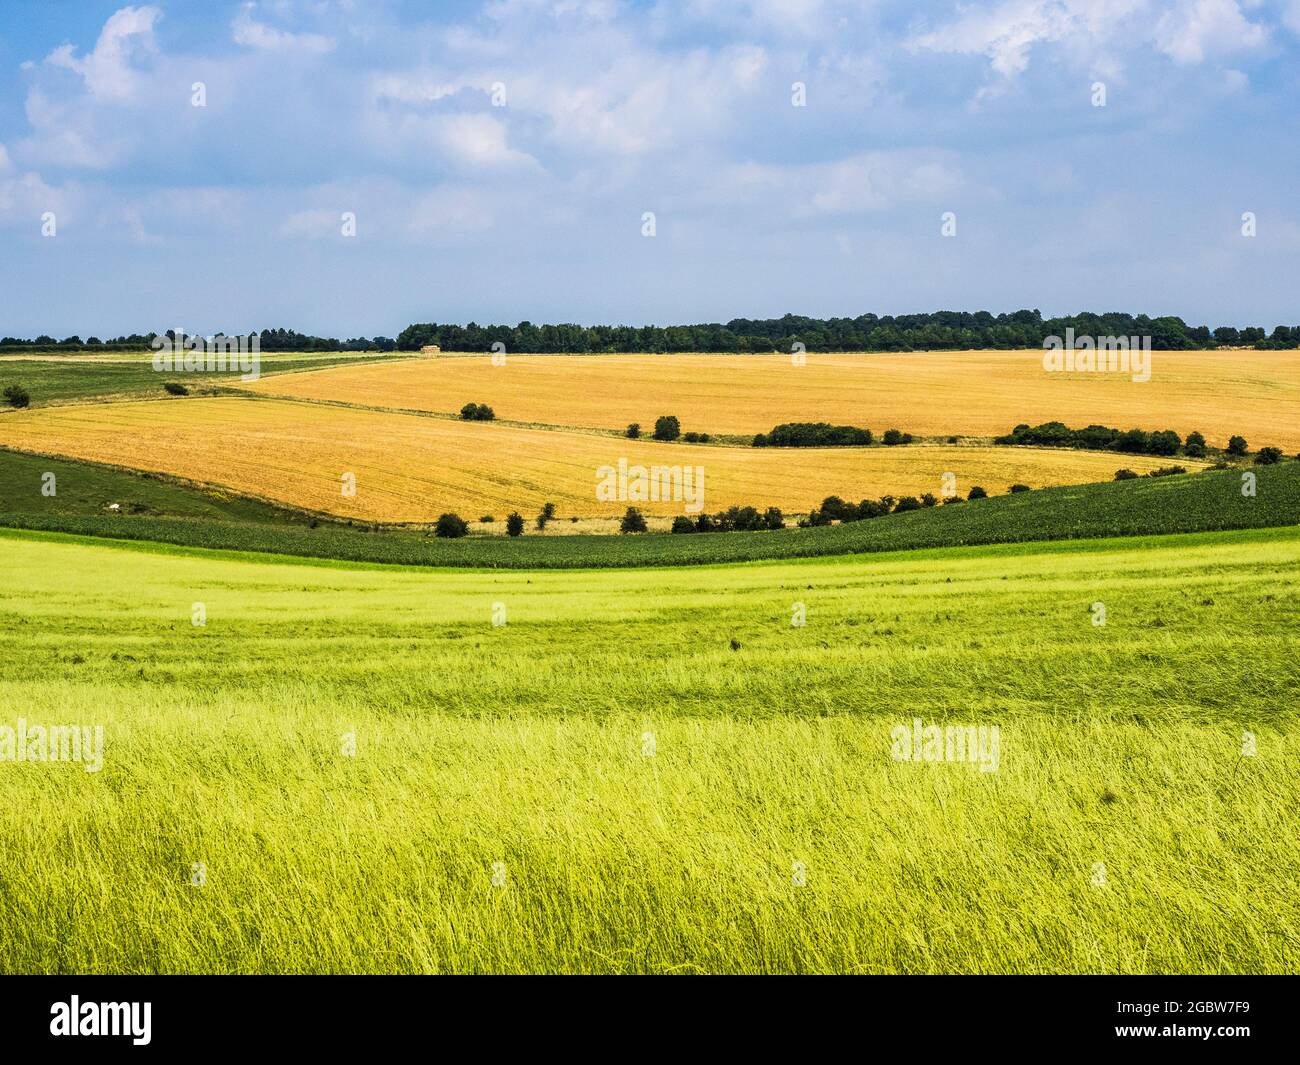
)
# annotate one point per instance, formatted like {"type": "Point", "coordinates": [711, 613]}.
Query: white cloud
{"type": "Point", "coordinates": [1191, 31]}
{"type": "Point", "coordinates": [107, 69]}
{"type": "Point", "coordinates": [1186, 30]}
{"type": "Point", "coordinates": [247, 31]}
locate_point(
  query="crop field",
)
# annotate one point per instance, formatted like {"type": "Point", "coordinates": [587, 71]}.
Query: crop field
{"type": "Point", "coordinates": [152, 508]}
{"type": "Point", "coordinates": [935, 394]}
{"type": "Point", "coordinates": [410, 468]}
{"type": "Point", "coordinates": [52, 379]}
{"type": "Point", "coordinates": [351, 769]}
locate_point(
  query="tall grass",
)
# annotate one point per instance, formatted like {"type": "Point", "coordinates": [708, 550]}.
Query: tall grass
{"type": "Point", "coordinates": [526, 745]}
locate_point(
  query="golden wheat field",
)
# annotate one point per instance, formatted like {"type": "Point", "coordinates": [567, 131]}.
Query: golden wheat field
{"type": "Point", "coordinates": [411, 468]}
{"type": "Point", "coordinates": [976, 393]}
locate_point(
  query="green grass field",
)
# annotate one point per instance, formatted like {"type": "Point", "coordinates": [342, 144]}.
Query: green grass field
{"type": "Point", "coordinates": [63, 378]}
{"type": "Point", "coordinates": [658, 770]}
{"type": "Point", "coordinates": [186, 515]}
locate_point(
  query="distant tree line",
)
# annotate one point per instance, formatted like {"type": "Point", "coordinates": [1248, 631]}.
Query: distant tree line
{"type": "Point", "coordinates": [269, 340]}
{"type": "Point", "coordinates": [937, 331]}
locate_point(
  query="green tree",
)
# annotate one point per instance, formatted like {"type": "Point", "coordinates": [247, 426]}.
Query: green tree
{"type": "Point", "coordinates": [450, 527]}
{"type": "Point", "coordinates": [667, 427]}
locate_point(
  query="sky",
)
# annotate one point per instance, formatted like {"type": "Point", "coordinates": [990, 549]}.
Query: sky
{"type": "Point", "coordinates": [347, 168]}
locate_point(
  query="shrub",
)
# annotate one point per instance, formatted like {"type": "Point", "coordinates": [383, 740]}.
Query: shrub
{"type": "Point", "coordinates": [633, 431]}
{"type": "Point", "coordinates": [1268, 455]}
{"type": "Point", "coordinates": [633, 521]}
{"type": "Point", "coordinates": [1164, 442]}
{"type": "Point", "coordinates": [814, 434]}
{"type": "Point", "coordinates": [16, 396]}
{"type": "Point", "coordinates": [873, 508]}
{"type": "Point", "coordinates": [477, 412]}
{"type": "Point", "coordinates": [450, 526]}
{"type": "Point", "coordinates": [952, 440]}
{"type": "Point", "coordinates": [487, 519]}
{"type": "Point", "coordinates": [1125, 475]}
{"type": "Point", "coordinates": [953, 499]}
{"type": "Point", "coordinates": [773, 518]}
{"type": "Point", "coordinates": [1017, 488]}
{"type": "Point", "coordinates": [816, 518]}
{"type": "Point", "coordinates": [667, 428]}
{"type": "Point", "coordinates": [1167, 471]}
{"type": "Point", "coordinates": [893, 437]}
{"type": "Point", "coordinates": [833, 508]}
{"type": "Point", "coordinates": [691, 438]}
{"type": "Point", "coordinates": [1094, 437]}
{"type": "Point", "coordinates": [514, 524]}
{"type": "Point", "coordinates": [1194, 447]}
{"type": "Point", "coordinates": [977, 493]}
{"type": "Point", "coordinates": [683, 524]}
{"type": "Point", "coordinates": [548, 512]}
{"type": "Point", "coordinates": [928, 500]}
{"type": "Point", "coordinates": [907, 503]}
{"type": "Point", "coordinates": [1237, 445]}
{"type": "Point", "coordinates": [1135, 442]}
{"type": "Point", "coordinates": [174, 389]}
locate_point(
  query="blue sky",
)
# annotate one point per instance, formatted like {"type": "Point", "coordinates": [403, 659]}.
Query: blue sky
{"type": "Point", "coordinates": [530, 205]}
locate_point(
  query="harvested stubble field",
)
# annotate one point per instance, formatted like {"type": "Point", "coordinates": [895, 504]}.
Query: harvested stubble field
{"type": "Point", "coordinates": [411, 468]}
{"type": "Point", "coordinates": [661, 773]}
{"type": "Point", "coordinates": [978, 393]}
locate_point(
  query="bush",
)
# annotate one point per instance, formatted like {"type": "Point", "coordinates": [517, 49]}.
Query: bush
{"type": "Point", "coordinates": [666, 428]}
{"type": "Point", "coordinates": [514, 524]}
{"type": "Point", "coordinates": [173, 389]}
{"type": "Point", "coordinates": [814, 434]}
{"type": "Point", "coordinates": [695, 438]}
{"type": "Point", "coordinates": [1135, 442]}
{"type": "Point", "coordinates": [1017, 488]}
{"type": "Point", "coordinates": [633, 431]}
{"type": "Point", "coordinates": [1268, 455]}
{"type": "Point", "coordinates": [1095, 438]}
{"type": "Point", "coordinates": [477, 412]}
{"type": "Point", "coordinates": [16, 396]}
{"type": "Point", "coordinates": [683, 524]}
{"type": "Point", "coordinates": [907, 503]}
{"type": "Point", "coordinates": [928, 500]}
{"type": "Point", "coordinates": [873, 508]}
{"type": "Point", "coordinates": [1167, 471]}
{"type": "Point", "coordinates": [977, 493]}
{"type": "Point", "coordinates": [1195, 446]}
{"type": "Point", "coordinates": [1164, 442]}
{"type": "Point", "coordinates": [487, 519]}
{"type": "Point", "coordinates": [548, 512]}
{"type": "Point", "coordinates": [1125, 475]}
{"type": "Point", "coordinates": [953, 499]}
{"type": "Point", "coordinates": [833, 508]}
{"type": "Point", "coordinates": [633, 521]}
{"type": "Point", "coordinates": [1237, 445]}
{"type": "Point", "coordinates": [893, 437]}
{"type": "Point", "coordinates": [450, 527]}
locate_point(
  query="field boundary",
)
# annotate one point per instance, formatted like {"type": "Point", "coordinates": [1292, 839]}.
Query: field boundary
{"type": "Point", "coordinates": [1208, 501]}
